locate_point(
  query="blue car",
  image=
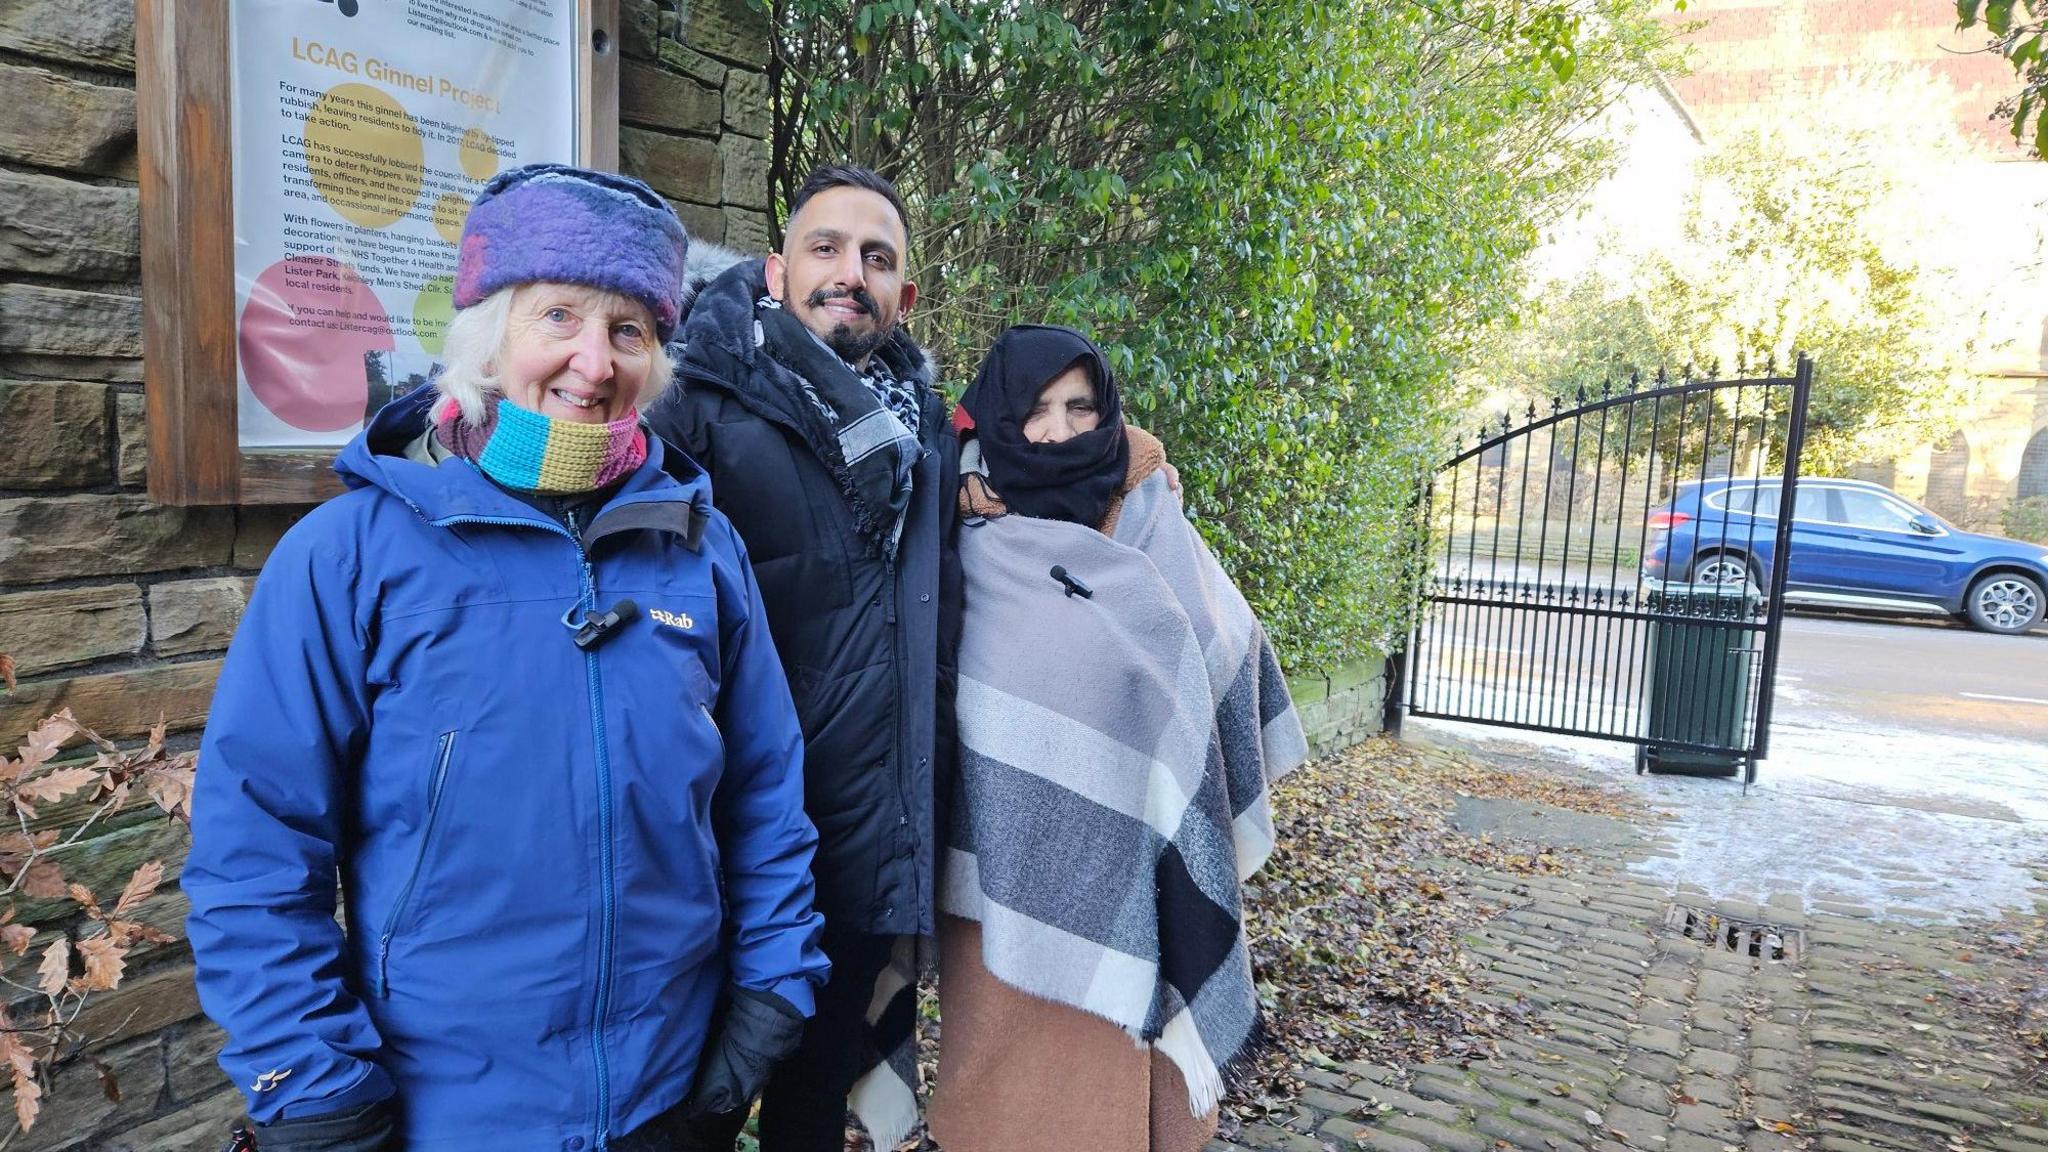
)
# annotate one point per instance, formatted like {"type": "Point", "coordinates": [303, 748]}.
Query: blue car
{"type": "Point", "coordinates": [1854, 545]}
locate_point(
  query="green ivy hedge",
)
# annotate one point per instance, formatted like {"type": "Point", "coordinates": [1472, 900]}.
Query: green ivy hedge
{"type": "Point", "coordinates": [1285, 221]}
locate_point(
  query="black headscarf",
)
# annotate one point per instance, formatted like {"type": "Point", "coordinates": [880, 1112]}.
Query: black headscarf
{"type": "Point", "coordinates": [1073, 480]}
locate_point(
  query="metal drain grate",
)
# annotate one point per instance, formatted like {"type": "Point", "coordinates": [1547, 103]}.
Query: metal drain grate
{"type": "Point", "coordinates": [1763, 941]}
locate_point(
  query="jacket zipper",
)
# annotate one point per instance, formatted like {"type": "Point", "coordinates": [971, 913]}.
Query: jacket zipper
{"type": "Point", "coordinates": [606, 877]}
{"type": "Point", "coordinates": [605, 864]}
{"type": "Point", "coordinates": [444, 749]}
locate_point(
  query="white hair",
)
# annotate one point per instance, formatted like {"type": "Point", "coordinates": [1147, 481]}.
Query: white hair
{"type": "Point", "coordinates": [476, 336]}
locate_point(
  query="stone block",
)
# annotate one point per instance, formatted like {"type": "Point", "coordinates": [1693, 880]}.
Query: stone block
{"type": "Point", "coordinates": [639, 29]}
{"type": "Point", "coordinates": [104, 369]}
{"type": "Point", "coordinates": [1706, 1120]}
{"type": "Point", "coordinates": [682, 167]}
{"type": "Point", "coordinates": [140, 1007]}
{"type": "Point", "coordinates": [65, 627]}
{"type": "Point", "coordinates": [731, 30]}
{"type": "Point", "coordinates": [57, 227]}
{"type": "Point", "coordinates": [692, 63]}
{"type": "Point", "coordinates": [56, 434]}
{"type": "Point", "coordinates": [1637, 1128]}
{"type": "Point", "coordinates": [74, 1105]}
{"type": "Point", "coordinates": [746, 230]}
{"type": "Point", "coordinates": [187, 616]}
{"type": "Point", "coordinates": [747, 107]}
{"type": "Point", "coordinates": [191, 1051]}
{"type": "Point", "coordinates": [701, 221]}
{"type": "Point", "coordinates": [1307, 690]}
{"type": "Point", "coordinates": [1357, 674]}
{"type": "Point", "coordinates": [54, 121]}
{"type": "Point", "coordinates": [658, 98]}
{"type": "Point", "coordinates": [117, 704]}
{"type": "Point", "coordinates": [1435, 1135]}
{"type": "Point", "coordinates": [68, 536]}
{"type": "Point", "coordinates": [745, 161]}
{"type": "Point", "coordinates": [105, 861]}
{"type": "Point", "coordinates": [196, 1127]}
{"type": "Point", "coordinates": [100, 34]}
{"type": "Point", "coordinates": [63, 322]}
{"type": "Point", "coordinates": [131, 443]}
{"type": "Point", "coordinates": [258, 528]}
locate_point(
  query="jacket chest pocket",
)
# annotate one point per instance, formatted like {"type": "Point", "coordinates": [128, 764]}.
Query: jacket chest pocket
{"type": "Point", "coordinates": [394, 921]}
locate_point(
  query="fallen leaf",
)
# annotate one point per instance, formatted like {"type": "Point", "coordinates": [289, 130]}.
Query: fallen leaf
{"type": "Point", "coordinates": [28, 1097]}
{"type": "Point", "coordinates": [55, 969]}
{"type": "Point", "coordinates": [56, 784]}
{"type": "Point", "coordinates": [104, 965]}
{"type": "Point", "coordinates": [7, 671]}
{"type": "Point", "coordinates": [141, 886]}
{"type": "Point", "coordinates": [45, 881]}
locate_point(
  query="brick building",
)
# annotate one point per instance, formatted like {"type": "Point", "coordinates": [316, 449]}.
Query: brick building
{"type": "Point", "coordinates": [1753, 60]}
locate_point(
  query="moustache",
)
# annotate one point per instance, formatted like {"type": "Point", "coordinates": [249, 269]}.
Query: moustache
{"type": "Point", "coordinates": [857, 295]}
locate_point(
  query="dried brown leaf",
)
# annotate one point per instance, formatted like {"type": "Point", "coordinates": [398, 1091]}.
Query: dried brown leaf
{"type": "Point", "coordinates": [141, 886]}
{"type": "Point", "coordinates": [171, 787]}
{"type": "Point", "coordinates": [55, 970]}
{"type": "Point", "coordinates": [45, 881]}
{"type": "Point", "coordinates": [28, 1097]}
{"type": "Point", "coordinates": [49, 738]}
{"type": "Point", "coordinates": [104, 963]}
{"type": "Point", "coordinates": [16, 937]}
{"type": "Point", "coordinates": [7, 671]}
{"type": "Point", "coordinates": [56, 784]}
{"type": "Point", "coordinates": [86, 900]}
{"type": "Point", "coordinates": [109, 1086]}
{"type": "Point", "coordinates": [129, 932]}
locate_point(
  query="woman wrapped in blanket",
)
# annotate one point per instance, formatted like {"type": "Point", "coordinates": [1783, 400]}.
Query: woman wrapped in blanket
{"type": "Point", "coordinates": [1121, 715]}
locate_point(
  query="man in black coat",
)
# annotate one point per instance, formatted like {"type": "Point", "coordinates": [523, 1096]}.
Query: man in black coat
{"type": "Point", "coordinates": [814, 413]}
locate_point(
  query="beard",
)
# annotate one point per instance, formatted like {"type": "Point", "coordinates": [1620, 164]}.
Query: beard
{"type": "Point", "coordinates": [848, 344]}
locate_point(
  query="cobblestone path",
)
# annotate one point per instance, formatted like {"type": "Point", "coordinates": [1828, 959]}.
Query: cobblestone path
{"type": "Point", "coordinates": [1864, 1037]}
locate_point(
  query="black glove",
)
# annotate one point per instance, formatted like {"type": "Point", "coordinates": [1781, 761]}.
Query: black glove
{"type": "Point", "coordinates": [371, 1128]}
{"type": "Point", "coordinates": [759, 1030]}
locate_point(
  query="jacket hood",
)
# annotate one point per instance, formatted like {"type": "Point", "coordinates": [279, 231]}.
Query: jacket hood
{"type": "Point", "coordinates": [376, 459]}
{"type": "Point", "coordinates": [719, 323]}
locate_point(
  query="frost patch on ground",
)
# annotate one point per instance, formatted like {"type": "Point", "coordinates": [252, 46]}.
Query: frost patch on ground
{"type": "Point", "coordinates": [1907, 824]}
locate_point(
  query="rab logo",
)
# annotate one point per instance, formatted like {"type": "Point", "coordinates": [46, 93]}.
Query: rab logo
{"type": "Point", "coordinates": [270, 1079]}
{"type": "Point", "coordinates": [672, 619]}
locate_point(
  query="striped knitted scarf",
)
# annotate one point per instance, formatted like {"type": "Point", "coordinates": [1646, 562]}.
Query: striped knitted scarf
{"type": "Point", "coordinates": [529, 452]}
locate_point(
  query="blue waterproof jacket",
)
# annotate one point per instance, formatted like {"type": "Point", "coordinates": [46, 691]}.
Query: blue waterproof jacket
{"type": "Point", "coordinates": [553, 858]}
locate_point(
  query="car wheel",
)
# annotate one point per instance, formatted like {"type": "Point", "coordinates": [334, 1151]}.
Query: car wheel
{"type": "Point", "coordinates": [2005, 602]}
{"type": "Point", "coordinates": [1720, 568]}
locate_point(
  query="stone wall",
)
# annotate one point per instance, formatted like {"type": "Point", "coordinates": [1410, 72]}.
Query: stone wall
{"type": "Point", "coordinates": [119, 608]}
{"type": "Point", "coordinates": [1343, 708]}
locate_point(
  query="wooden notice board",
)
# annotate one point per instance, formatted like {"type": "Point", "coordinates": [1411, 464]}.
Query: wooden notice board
{"type": "Point", "coordinates": [306, 166]}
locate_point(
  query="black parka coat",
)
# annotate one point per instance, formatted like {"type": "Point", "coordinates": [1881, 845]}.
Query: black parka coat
{"type": "Point", "coordinates": [866, 641]}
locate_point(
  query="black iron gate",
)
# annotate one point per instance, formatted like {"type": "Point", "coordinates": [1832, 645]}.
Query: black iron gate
{"type": "Point", "coordinates": [1616, 569]}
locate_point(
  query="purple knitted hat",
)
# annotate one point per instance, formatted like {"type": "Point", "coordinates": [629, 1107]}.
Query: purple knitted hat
{"type": "Point", "coordinates": [552, 222]}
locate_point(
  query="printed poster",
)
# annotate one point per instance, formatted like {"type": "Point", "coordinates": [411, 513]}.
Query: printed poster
{"type": "Point", "coordinates": [363, 129]}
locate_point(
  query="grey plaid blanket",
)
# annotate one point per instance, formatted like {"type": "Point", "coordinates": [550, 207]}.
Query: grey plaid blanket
{"type": "Point", "coordinates": [1115, 754]}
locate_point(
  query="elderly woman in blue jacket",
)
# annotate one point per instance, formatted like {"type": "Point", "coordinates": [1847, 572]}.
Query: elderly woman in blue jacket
{"type": "Point", "coordinates": [514, 697]}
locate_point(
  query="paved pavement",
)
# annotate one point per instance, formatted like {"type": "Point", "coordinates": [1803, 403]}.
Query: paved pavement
{"type": "Point", "coordinates": [1662, 1018]}
{"type": "Point", "coordinates": [1898, 833]}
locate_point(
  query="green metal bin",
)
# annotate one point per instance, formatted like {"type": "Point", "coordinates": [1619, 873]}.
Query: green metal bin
{"type": "Point", "coordinates": [1702, 648]}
